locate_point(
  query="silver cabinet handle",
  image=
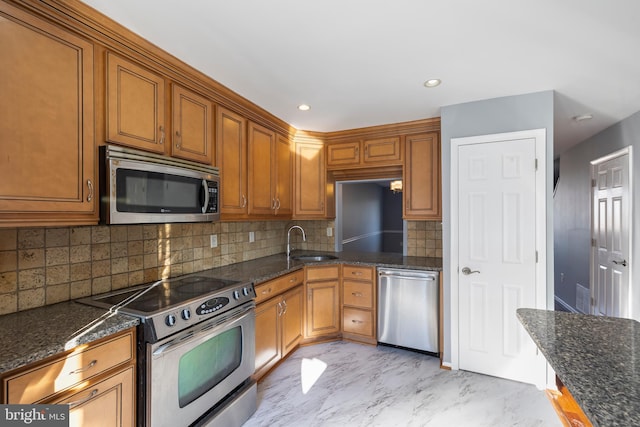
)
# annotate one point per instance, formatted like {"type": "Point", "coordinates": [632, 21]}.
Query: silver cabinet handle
{"type": "Point", "coordinates": [244, 202]}
{"type": "Point", "coordinates": [622, 263]}
{"type": "Point", "coordinates": [284, 305]}
{"type": "Point", "coordinates": [178, 139]}
{"type": "Point", "coordinates": [90, 185]}
{"type": "Point", "coordinates": [91, 364]}
{"type": "Point", "coordinates": [161, 135]}
{"type": "Point", "coordinates": [467, 271]}
{"type": "Point", "coordinates": [81, 401]}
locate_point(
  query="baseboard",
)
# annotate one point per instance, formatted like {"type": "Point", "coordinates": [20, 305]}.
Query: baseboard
{"type": "Point", "coordinates": [564, 305]}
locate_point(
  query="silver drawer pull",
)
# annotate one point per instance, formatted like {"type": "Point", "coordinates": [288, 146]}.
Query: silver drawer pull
{"type": "Point", "coordinates": [356, 294]}
{"type": "Point", "coordinates": [81, 401]}
{"type": "Point", "coordinates": [357, 273]}
{"type": "Point", "coordinates": [86, 368]}
{"type": "Point", "coordinates": [357, 321]}
{"type": "Point", "coordinates": [266, 291]}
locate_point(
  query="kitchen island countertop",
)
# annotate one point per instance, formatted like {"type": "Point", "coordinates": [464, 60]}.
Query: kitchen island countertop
{"type": "Point", "coordinates": [597, 358]}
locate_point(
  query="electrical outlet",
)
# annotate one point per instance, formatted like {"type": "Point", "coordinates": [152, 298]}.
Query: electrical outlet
{"type": "Point", "coordinates": [329, 231]}
{"type": "Point", "coordinates": [214, 240]}
{"type": "Point", "coordinates": [252, 237]}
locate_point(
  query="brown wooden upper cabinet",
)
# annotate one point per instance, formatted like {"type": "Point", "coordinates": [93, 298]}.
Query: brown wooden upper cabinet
{"type": "Point", "coordinates": [284, 176]}
{"type": "Point", "coordinates": [364, 153]}
{"type": "Point", "coordinates": [310, 180]}
{"type": "Point", "coordinates": [192, 126]}
{"type": "Point", "coordinates": [422, 177]}
{"type": "Point", "coordinates": [231, 158]}
{"type": "Point", "coordinates": [135, 106]}
{"type": "Point", "coordinates": [261, 168]}
{"type": "Point", "coordinates": [47, 172]}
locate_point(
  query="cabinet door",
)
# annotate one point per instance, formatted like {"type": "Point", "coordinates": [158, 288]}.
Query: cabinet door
{"type": "Point", "coordinates": [108, 403]}
{"type": "Point", "coordinates": [323, 309]}
{"type": "Point", "coordinates": [421, 177]}
{"type": "Point", "coordinates": [284, 176]}
{"type": "Point", "coordinates": [135, 106]}
{"type": "Point", "coordinates": [261, 168]}
{"type": "Point", "coordinates": [232, 160]}
{"type": "Point", "coordinates": [343, 154]}
{"type": "Point", "coordinates": [46, 123]}
{"type": "Point", "coordinates": [382, 151]}
{"type": "Point", "coordinates": [292, 326]}
{"type": "Point", "coordinates": [268, 338]}
{"type": "Point", "coordinates": [310, 180]}
{"type": "Point", "coordinates": [192, 137]}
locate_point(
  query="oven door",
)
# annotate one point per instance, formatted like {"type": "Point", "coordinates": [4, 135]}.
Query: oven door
{"type": "Point", "coordinates": [189, 373]}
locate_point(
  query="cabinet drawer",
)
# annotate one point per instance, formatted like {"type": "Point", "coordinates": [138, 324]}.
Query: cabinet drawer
{"type": "Point", "coordinates": [322, 273]}
{"type": "Point", "coordinates": [358, 294]}
{"type": "Point", "coordinates": [274, 287]}
{"type": "Point", "coordinates": [358, 321]}
{"type": "Point", "coordinates": [357, 273]}
{"type": "Point", "coordinates": [59, 374]}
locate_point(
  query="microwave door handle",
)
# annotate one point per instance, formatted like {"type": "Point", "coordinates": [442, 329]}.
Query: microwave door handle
{"type": "Point", "coordinates": [205, 189]}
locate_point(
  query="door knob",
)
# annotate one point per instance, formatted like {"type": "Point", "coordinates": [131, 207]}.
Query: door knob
{"type": "Point", "coordinates": [467, 271]}
{"type": "Point", "coordinates": [622, 263]}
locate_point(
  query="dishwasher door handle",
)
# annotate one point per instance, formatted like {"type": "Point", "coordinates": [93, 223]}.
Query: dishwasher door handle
{"type": "Point", "coordinates": [429, 277]}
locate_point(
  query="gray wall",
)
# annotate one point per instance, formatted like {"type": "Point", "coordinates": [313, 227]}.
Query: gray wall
{"type": "Point", "coordinates": [362, 215]}
{"type": "Point", "coordinates": [499, 115]}
{"type": "Point", "coordinates": [392, 238]}
{"type": "Point", "coordinates": [572, 206]}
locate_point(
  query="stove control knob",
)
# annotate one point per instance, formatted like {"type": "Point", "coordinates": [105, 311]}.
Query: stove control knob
{"type": "Point", "coordinates": [170, 320]}
{"type": "Point", "coordinates": [186, 314]}
{"type": "Point", "coordinates": [236, 295]}
{"type": "Point", "coordinates": [245, 292]}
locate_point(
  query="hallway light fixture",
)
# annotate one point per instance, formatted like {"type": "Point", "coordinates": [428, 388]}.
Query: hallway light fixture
{"type": "Point", "coordinates": [396, 186]}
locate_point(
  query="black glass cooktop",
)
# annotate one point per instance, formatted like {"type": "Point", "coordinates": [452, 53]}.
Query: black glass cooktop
{"type": "Point", "coordinates": [169, 293]}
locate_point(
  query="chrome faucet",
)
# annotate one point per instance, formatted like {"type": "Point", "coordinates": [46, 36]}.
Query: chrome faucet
{"type": "Point", "coordinates": [304, 238]}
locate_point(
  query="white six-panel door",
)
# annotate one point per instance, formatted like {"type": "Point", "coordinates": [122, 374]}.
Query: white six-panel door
{"type": "Point", "coordinates": [611, 231]}
{"type": "Point", "coordinates": [497, 228]}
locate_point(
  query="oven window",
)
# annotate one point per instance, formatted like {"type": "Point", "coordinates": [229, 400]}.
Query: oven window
{"type": "Point", "coordinates": [203, 367]}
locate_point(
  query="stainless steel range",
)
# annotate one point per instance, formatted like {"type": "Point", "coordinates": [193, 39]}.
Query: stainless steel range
{"type": "Point", "coordinates": [196, 349]}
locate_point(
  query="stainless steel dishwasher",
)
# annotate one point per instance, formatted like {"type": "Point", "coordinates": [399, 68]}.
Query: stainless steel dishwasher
{"type": "Point", "coordinates": [408, 308]}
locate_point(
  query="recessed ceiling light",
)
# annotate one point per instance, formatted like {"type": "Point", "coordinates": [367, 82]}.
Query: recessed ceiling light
{"type": "Point", "coordinates": [303, 107]}
{"type": "Point", "coordinates": [432, 83]}
{"type": "Point", "coordinates": [583, 117]}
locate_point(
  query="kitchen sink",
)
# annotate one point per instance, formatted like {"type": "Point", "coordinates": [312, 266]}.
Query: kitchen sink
{"type": "Point", "coordinates": [314, 257]}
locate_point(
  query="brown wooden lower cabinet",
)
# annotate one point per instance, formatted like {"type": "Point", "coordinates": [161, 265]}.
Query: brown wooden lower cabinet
{"type": "Point", "coordinates": [97, 380]}
{"type": "Point", "coordinates": [359, 303]}
{"type": "Point", "coordinates": [322, 302]}
{"type": "Point", "coordinates": [279, 320]}
{"type": "Point", "coordinates": [568, 410]}
{"type": "Point", "coordinates": [106, 403]}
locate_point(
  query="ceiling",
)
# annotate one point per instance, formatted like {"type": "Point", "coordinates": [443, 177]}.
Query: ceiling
{"type": "Point", "coordinates": [359, 63]}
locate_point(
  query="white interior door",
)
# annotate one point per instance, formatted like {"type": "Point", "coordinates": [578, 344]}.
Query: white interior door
{"type": "Point", "coordinates": [611, 231]}
{"type": "Point", "coordinates": [497, 236]}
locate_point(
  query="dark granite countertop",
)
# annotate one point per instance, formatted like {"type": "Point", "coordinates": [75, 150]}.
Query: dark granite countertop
{"type": "Point", "coordinates": [32, 335]}
{"type": "Point", "coordinates": [597, 358]}
{"type": "Point", "coordinates": [262, 269]}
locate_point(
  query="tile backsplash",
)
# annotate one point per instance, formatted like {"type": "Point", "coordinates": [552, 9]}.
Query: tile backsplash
{"type": "Point", "coordinates": [41, 266]}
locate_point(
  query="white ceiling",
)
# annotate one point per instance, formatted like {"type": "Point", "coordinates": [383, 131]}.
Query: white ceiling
{"type": "Point", "coordinates": [363, 62]}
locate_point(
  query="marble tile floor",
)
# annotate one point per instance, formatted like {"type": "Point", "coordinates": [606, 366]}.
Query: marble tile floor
{"type": "Point", "coordinates": [352, 385]}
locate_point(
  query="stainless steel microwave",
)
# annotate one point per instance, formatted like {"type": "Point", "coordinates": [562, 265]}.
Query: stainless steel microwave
{"type": "Point", "coordinates": [137, 187]}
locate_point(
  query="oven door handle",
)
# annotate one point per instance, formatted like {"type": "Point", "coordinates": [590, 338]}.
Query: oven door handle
{"type": "Point", "coordinates": [205, 191]}
{"type": "Point", "coordinates": [209, 328]}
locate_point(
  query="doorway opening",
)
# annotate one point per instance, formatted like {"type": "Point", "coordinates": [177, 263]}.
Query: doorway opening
{"type": "Point", "coordinates": [369, 217]}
